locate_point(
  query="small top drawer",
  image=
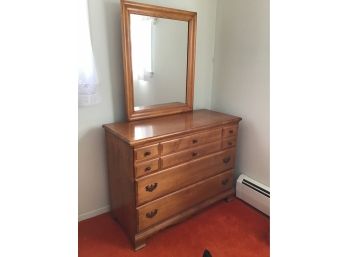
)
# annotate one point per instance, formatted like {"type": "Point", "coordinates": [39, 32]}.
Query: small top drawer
{"type": "Point", "coordinates": [145, 153]}
{"type": "Point", "coordinates": [146, 167]}
{"type": "Point", "coordinates": [190, 154]}
{"type": "Point", "coordinates": [229, 142]}
{"type": "Point", "coordinates": [230, 131]}
{"type": "Point", "coordinates": [190, 141]}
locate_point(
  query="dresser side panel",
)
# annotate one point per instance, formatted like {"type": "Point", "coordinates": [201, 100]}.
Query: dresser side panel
{"type": "Point", "coordinates": [121, 183]}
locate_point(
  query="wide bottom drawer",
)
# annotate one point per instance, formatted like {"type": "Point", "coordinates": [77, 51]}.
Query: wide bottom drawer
{"type": "Point", "coordinates": [169, 205]}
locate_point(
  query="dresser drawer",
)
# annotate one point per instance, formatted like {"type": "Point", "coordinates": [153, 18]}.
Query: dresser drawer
{"type": "Point", "coordinates": [175, 145]}
{"type": "Point", "coordinates": [172, 204]}
{"type": "Point", "coordinates": [158, 184]}
{"type": "Point", "coordinates": [146, 167]}
{"type": "Point", "coordinates": [229, 142]}
{"type": "Point", "coordinates": [187, 155]}
{"type": "Point", "coordinates": [145, 153]}
{"type": "Point", "coordinates": [230, 131]}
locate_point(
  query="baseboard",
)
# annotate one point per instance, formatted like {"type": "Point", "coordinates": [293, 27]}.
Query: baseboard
{"type": "Point", "coordinates": [254, 193]}
{"type": "Point", "coordinates": [91, 214]}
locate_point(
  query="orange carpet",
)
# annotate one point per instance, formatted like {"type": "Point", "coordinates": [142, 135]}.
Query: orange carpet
{"type": "Point", "coordinates": [225, 229]}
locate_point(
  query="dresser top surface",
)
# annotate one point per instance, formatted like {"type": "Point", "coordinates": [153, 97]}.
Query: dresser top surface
{"type": "Point", "coordinates": [138, 131]}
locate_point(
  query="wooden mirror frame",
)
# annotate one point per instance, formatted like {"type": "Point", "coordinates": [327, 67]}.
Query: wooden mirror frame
{"type": "Point", "coordinates": [128, 8]}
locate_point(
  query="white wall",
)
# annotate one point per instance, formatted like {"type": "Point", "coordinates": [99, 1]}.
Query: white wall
{"type": "Point", "coordinates": [106, 41]}
{"type": "Point", "coordinates": [241, 79]}
{"type": "Point", "coordinates": [105, 33]}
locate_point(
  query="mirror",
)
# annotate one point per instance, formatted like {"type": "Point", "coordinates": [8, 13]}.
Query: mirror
{"type": "Point", "coordinates": [158, 56]}
{"type": "Point", "coordinates": [159, 60]}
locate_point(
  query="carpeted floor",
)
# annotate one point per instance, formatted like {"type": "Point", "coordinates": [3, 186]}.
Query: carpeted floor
{"type": "Point", "coordinates": [226, 229]}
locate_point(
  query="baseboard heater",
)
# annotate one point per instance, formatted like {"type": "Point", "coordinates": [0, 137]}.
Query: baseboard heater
{"type": "Point", "coordinates": [254, 193]}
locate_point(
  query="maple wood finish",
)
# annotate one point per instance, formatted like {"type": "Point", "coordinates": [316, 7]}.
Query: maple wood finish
{"type": "Point", "coordinates": [163, 170]}
{"type": "Point", "coordinates": [183, 175]}
{"type": "Point", "coordinates": [229, 142]}
{"type": "Point", "coordinates": [189, 154]}
{"type": "Point", "coordinates": [165, 207]}
{"type": "Point", "coordinates": [230, 131]}
{"type": "Point", "coordinates": [128, 8]}
{"type": "Point", "coordinates": [146, 152]}
{"type": "Point", "coordinates": [175, 145]}
{"type": "Point", "coordinates": [146, 167]}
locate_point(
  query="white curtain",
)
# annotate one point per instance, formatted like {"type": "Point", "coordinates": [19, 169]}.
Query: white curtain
{"type": "Point", "coordinates": [88, 79]}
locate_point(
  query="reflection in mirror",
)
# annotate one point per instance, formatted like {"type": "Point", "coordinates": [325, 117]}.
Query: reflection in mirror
{"type": "Point", "coordinates": [159, 60]}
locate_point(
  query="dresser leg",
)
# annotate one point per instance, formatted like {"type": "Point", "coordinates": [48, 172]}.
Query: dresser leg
{"type": "Point", "coordinates": [229, 198]}
{"type": "Point", "coordinates": [139, 244]}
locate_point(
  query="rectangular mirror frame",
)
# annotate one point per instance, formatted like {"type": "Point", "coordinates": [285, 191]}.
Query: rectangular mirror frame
{"type": "Point", "coordinates": [128, 8]}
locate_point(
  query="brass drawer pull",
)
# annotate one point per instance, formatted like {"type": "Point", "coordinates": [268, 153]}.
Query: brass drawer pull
{"type": "Point", "coordinates": [194, 141]}
{"type": "Point", "coordinates": [151, 187]}
{"type": "Point", "coordinates": [147, 169]}
{"type": "Point", "coordinates": [147, 153]}
{"type": "Point", "coordinates": [231, 131]}
{"type": "Point", "coordinates": [151, 214]}
{"type": "Point", "coordinates": [225, 181]}
{"type": "Point", "coordinates": [194, 154]}
{"type": "Point", "coordinates": [226, 160]}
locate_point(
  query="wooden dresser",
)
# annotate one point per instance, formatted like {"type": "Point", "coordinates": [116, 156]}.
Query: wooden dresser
{"type": "Point", "coordinates": [162, 170]}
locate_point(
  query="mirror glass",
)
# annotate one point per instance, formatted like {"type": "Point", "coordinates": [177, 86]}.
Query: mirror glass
{"type": "Point", "coordinates": [159, 60]}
